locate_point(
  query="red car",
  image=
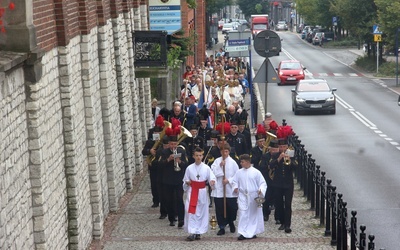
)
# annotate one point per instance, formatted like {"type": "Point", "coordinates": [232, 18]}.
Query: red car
{"type": "Point", "coordinates": [290, 72]}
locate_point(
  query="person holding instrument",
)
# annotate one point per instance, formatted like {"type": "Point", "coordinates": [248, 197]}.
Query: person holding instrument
{"type": "Point", "coordinates": [283, 167]}
{"type": "Point", "coordinates": [224, 168]}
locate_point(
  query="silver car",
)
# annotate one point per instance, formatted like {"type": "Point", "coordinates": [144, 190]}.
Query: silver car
{"type": "Point", "coordinates": [313, 95]}
{"type": "Point", "coordinates": [281, 25]}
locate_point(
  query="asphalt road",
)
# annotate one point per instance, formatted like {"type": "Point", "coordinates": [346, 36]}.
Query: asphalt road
{"type": "Point", "coordinates": [359, 146]}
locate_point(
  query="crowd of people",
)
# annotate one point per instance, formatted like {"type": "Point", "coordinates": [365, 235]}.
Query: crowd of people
{"type": "Point", "coordinates": [200, 154]}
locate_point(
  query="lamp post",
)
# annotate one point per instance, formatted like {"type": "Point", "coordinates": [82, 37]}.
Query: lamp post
{"type": "Point", "coordinates": [397, 57]}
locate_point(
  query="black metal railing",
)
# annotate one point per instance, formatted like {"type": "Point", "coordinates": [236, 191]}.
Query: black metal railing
{"type": "Point", "coordinates": [329, 205]}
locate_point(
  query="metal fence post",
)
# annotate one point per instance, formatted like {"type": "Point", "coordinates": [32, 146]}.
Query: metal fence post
{"type": "Point", "coordinates": [317, 190]}
{"type": "Point", "coordinates": [312, 182]}
{"type": "Point", "coordinates": [353, 230]}
{"type": "Point", "coordinates": [323, 197]}
{"type": "Point", "coordinates": [344, 225]}
{"type": "Point", "coordinates": [328, 207]}
{"type": "Point", "coordinates": [371, 244]}
{"type": "Point", "coordinates": [363, 237]}
{"type": "Point", "coordinates": [339, 221]}
{"type": "Point", "coordinates": [334, 216]}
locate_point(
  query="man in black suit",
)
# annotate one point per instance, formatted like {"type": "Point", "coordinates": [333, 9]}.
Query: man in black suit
{"type": "Point", "coordinates": [173, 158]}
{"type": "Point", "coordinates": [236, 140]}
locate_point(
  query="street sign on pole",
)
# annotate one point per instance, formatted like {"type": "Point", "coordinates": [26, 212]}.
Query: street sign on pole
{"type": "Point", "coordinates": [237, 38]}
{"type": "Point", "coordinates": [238, 42]}
{"type": "Point", "coordinates": [236, 48]}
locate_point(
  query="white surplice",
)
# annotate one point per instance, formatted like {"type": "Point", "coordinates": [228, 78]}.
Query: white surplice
{"type": "Point", "coordinates": [249, 182]}
{"type": "Point", "coordinates": [231, 168]}
{"type": "Point", "coordinates": [197, 223]}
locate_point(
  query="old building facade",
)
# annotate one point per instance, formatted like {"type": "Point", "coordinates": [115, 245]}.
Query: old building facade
{"type": "Point", "coordinates": [73, 118]}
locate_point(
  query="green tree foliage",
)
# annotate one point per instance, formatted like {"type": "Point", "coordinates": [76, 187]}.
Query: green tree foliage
{"type": "Point", "coordinates": [308, 10]}
{"type": "Point", "coordinates": [388, 20]}
{"type": "Point", "coordinates": [214, 6]}
{"type": "Point", "coordinates": [356, 16]}
{"type": "Point", "coordinates": [252, 7]}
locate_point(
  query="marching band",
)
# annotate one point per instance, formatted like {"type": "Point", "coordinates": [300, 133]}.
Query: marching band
{"type": "Point", "coordinates": [215, 129]}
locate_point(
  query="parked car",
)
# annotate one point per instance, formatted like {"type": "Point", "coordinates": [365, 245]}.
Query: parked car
{"type": "Point", "coordinates": [281, 25]}
{"type": "Point", "coordinates": [290, 72]}
{"type": "Point", "coordinates": [318, 38]}
{"type": "Point", "coordinates": [220, 24]}
{"type": "Point", "coordinates": [313, 95]}
{"type": "Point", "coordinates": [227, 27]}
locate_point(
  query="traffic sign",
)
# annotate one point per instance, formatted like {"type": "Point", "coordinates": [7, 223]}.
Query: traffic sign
{"type": "Point", "coordinates": [236, 48]}
{"type": "Point", "coordinates": [267, 43]}
{"type": "Point", "coordinates": [238, 42]}
{"type": "Point", "coordinates": [376, 30]}
{"type": "Point", "coordinates": [377, 38]}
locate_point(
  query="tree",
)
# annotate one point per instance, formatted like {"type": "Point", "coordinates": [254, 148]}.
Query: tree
{"type": "Point", "coordinates": [214, 6]}
{"type": "Point", "coordinates": [356, 16]}
{"type": "Point", "coordinates": [251, 7]}
{"type": "Point", "coordinates": [388, 20]}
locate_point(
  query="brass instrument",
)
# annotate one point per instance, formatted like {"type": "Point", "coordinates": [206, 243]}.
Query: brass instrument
{"type": "Point", "coordinates": [151, 157]}
{"type": "Point", "coordinates": [176, 164]}
{"type": "Point", "coordinates": [182, 135]}
{"type": "Point", "coordinates": [288, 154]}
{"type": "Point", "coordinates": [270, 137]}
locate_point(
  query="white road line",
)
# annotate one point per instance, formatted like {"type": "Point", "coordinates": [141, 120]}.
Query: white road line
{"type": "Point", "coordinates": [343, 103]}
{"type": "Point", "coordinates": [347, 106]}
{"type": "Point", "coordinates": [371, 124]}
{"type": "Point", "coordinates": [359, 118]}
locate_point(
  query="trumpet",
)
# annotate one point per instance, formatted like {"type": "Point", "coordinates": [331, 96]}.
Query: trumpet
{"type": "Point", "coordinates": [288, 154]}
{"type": "Point", "coordinates": [176, 164]}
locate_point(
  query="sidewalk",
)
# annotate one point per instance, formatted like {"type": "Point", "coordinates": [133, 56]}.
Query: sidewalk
{"type": "Point", "coordinates": [137, 226]}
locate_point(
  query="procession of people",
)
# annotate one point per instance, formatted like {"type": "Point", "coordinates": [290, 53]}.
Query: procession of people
{"type": "Point", "coordinates": [200, 155]}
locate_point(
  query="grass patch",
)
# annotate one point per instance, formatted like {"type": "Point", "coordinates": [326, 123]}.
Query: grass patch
{"type": "Point", "coordinates": [344, 43]}
{"type": "Point", "coordinates": [368, 64]}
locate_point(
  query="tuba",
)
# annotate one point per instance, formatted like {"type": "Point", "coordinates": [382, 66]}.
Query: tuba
{"type": "Point", "coordinates": [182, 135]}
{"type": "Point", "coordinates": [270, 137]}
{"type": "Point", "coordinates": [151, 158]}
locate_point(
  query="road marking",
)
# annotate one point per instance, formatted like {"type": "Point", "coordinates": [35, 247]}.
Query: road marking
{"type": "Point", "coordinates": [365, 121]}
{"type": "Point", "coordinates": [344, 104]}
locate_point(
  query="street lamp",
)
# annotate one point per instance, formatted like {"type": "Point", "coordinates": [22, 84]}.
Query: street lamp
{"type": "Point", "coordinates": [397, 58]}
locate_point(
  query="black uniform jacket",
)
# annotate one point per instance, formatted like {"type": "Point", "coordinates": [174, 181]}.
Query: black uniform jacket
{"type": "Point", "coordinates": [247, 136]}
{"type": "Point", "coordinates": [238, 142]}
{"type": "Point", "coordinates": [283, 174]}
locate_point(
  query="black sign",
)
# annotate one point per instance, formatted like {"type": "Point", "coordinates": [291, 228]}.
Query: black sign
{"type": "Point", "coordinates": [267, 43]}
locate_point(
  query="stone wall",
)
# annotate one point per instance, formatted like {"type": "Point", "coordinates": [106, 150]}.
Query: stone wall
{"type": "Point", "coordinates": [72, 140]}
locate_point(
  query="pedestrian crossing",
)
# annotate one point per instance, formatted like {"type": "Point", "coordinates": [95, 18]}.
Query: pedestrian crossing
{"type": "Point", "coordinates": [322, 75]}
